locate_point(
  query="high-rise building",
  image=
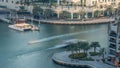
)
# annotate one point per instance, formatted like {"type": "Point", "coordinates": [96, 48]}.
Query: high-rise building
{"type": "Point", "coordinates": [114, 41]}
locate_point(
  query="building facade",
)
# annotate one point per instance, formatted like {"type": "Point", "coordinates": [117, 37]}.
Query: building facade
{"type": "Point", "coordinates": [97, 3]}
{"type": "Point", "coordinates": [105, 3]}
{"type": "Point", "coordinates": [16, 4]}
{"type": "Point", "coordinates": [114, 42]}
{"type": "Point", "coordinates": [11, 4]}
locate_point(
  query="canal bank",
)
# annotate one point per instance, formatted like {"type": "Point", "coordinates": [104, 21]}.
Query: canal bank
{"type": "Point", "coordinates": [101, 20]}
{"type": "Point", "coordinates": [76, 22]}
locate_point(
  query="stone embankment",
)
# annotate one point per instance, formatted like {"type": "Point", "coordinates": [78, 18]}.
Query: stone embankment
{"type": "Point", "coordinates": [71, 22]}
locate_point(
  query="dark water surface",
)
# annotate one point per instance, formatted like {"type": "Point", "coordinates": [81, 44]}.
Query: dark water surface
{"type": "Point", "coordinates": [15, 52]}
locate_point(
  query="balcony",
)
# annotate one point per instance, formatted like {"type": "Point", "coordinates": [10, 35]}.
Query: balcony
{"type": "Point", "coordinates": [119, 48]}
{"type": "Point", "coordinates": [112, 52]}
{"type": "Point", "coordinates": [113, 34]}
{"type": "Point", "coordinates": [112, 46]}
{"type": "Point", "coordinates": [119, 42]}
{"type": "Point", "coordinates": [112, 40]}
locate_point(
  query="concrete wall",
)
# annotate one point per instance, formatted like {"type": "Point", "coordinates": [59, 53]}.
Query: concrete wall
{"type": "Point", "coordinates": [11, 4]}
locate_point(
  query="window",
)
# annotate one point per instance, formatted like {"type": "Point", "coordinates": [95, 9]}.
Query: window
{"type": "Point", "coordinates": [12, 1]}
{"type": "Point", "coordinates": [112, 52]}
{"type": "Point", "coordinates": [6, 0]}
{"type": "Point", "coordinates": [93, 2]}
{"type": "Point", "coordinates": [105, 1]}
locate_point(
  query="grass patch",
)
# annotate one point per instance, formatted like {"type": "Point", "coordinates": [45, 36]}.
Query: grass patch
{"type": "Point", "coordinates": [78, 55]}
{"type": "Point", "coordinates": [94, 53]}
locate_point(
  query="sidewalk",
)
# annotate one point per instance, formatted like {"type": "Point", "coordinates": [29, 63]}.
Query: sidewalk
{"type": "Point", "coordinates": [64, 59]}
{"type": "Point", "coordinates": [93, 21]}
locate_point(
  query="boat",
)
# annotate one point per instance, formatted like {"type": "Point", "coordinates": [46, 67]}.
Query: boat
{"type": "Point", "coordinates": [21, 25]}
{"type": "Point", "coordinates": [35, 28]}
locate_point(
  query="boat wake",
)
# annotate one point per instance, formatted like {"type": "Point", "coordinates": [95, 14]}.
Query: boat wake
{"type": "Point", "coordinates": [60, 36]}
{"type": "Point", "coordinates": [57, 46]}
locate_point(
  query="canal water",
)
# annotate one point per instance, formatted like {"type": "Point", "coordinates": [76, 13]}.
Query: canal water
{"type": "Point", "coordinates": [16, 52]}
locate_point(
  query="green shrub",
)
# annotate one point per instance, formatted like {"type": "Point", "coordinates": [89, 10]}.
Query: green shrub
{"type": "Point", "coordinates": [78, 55]}
{"type": "Point", "coordinates": [94, 53]}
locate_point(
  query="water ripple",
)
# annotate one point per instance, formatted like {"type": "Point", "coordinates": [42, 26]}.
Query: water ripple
{"type": "Point", "coordinates": [60, 36]}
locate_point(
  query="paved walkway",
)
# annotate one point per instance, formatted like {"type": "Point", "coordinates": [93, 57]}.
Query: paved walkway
{"type": "Point", "coordinates": [91, 21]}
{"type": "Point", "coordinates": [64, 59]}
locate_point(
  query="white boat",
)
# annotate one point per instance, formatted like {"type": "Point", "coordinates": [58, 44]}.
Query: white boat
{"type": "Point", "coordinates": [34, 28]}
{"type": "Point", "coordinates": [21, 25]}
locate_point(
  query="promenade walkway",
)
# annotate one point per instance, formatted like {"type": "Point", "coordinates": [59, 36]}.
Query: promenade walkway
{"type": "Point", "coordinates": [89, 21]}
{"type": "Point", "coordinates": [62, 58]}
{"type": "Point", "coordinates": [66, 22]}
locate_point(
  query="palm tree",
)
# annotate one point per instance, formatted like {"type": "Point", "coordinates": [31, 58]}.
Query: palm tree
{"type": "Point", "coordinates": [76, 48]}
{"type": "Point", "coordinates": [68, 4]}
{"type": "Point", "coordinates": [83, 45]}
{"type": "Point", "coordinates": [102, 52]}
{"type": "Point", "coordinates": [97, 13]}
{"type": "Point", "coordinates": [64, 2]}
{"type": "Point", "coordinates": [79, 46]}
{"type": "Point", "coordinates": [95, 45]}
{"type": "Point", "coordinates": [83, 14]}
{"type": "Point", "coordinates": [71, 47]}
{"type": "Point", "coordinates": [118, 7]}
{"type": "Point", "coordinates": [87, 48]}
{"type": "Point", "coordinates": [54, 5]}
{"type": "Point", "coordinates": [75, 5]}
{"type": "Point", "coordinates": [48, 13]}
{"type": "Point", "coordinates": [109, 10]}
{"type": "Point", "coordinates": [37, 10]}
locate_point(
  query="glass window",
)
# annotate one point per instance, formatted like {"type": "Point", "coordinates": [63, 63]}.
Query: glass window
{"type": "Point", "coordinates": [6, 0]}
{"type": "Point", "coordinates": [112, 52]}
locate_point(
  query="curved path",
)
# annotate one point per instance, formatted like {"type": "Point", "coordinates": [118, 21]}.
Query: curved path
{"type": "Point", "coordinates": [63, 59]}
